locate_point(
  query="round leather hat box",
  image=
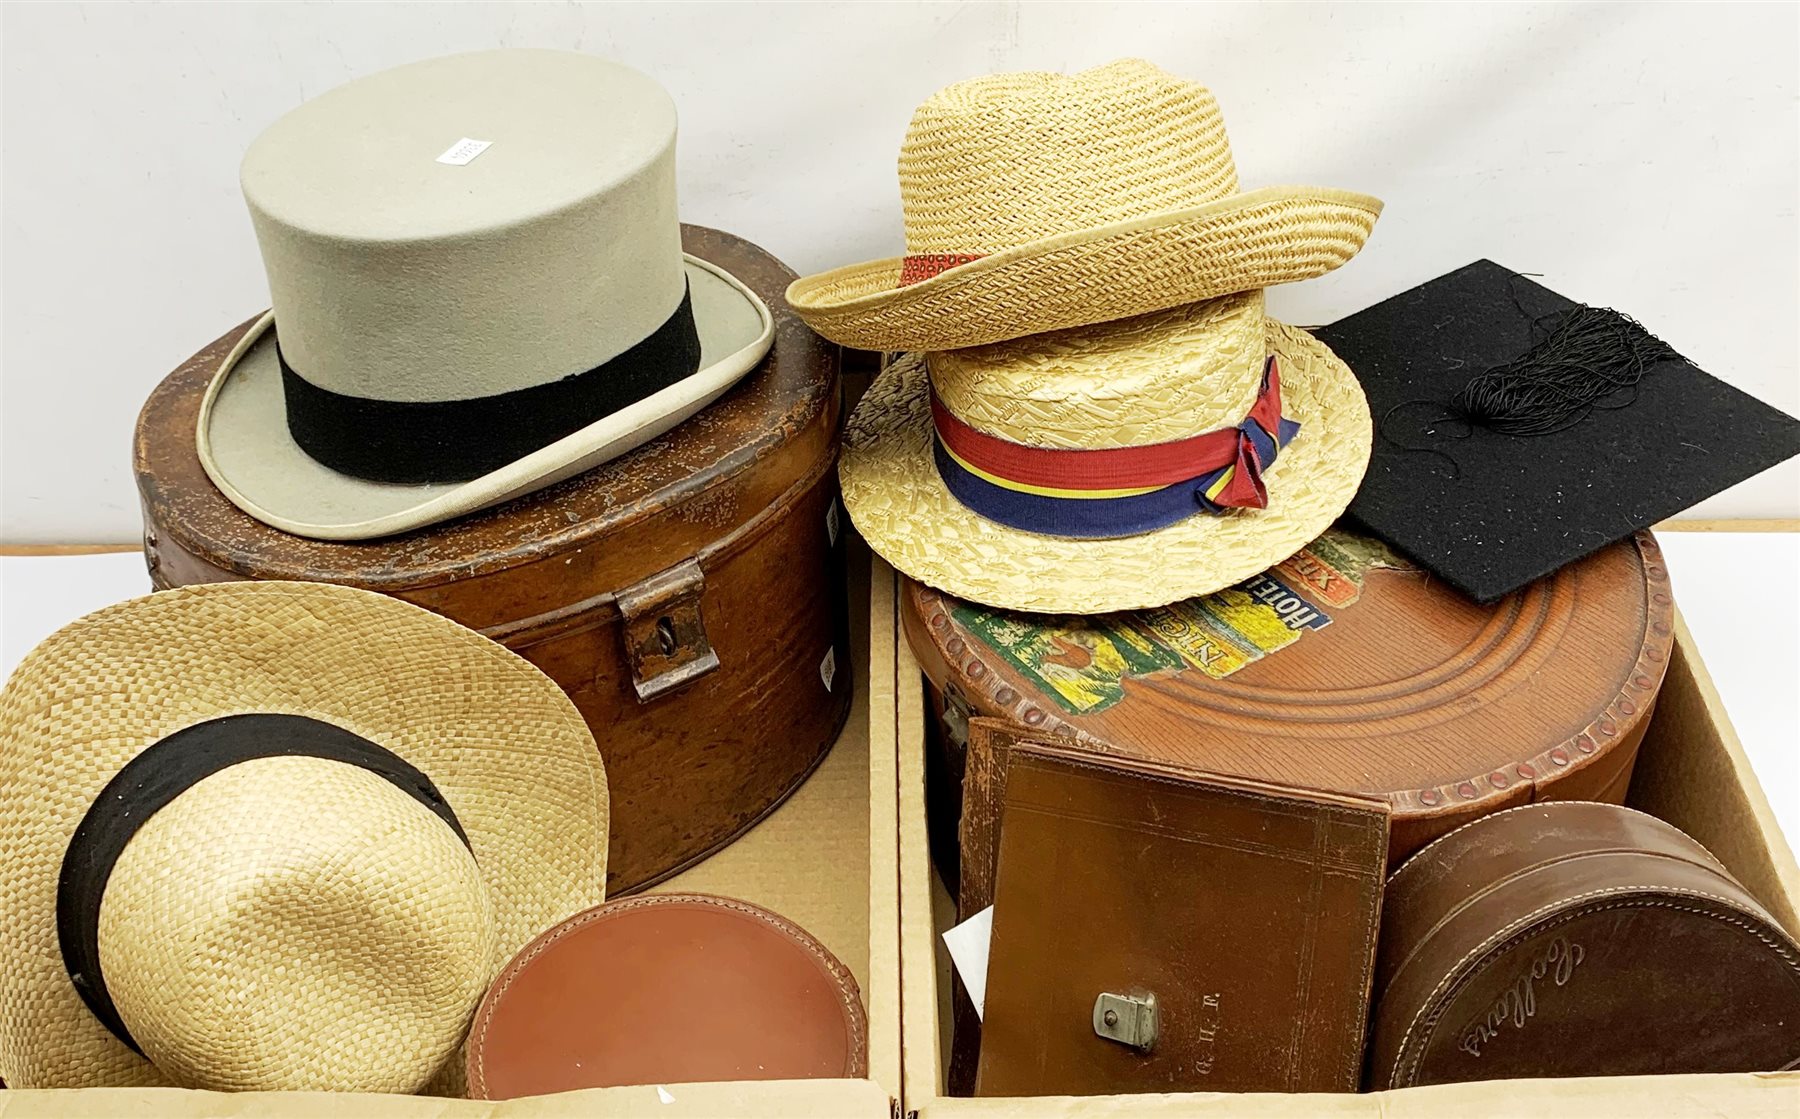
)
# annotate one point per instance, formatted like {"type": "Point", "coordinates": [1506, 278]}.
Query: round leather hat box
{"type": "Point", "coordinates": [1577, 939]}
{"type": "Point", "coordinates": [1344, 668]}
{"type": "Point", "coordinates": [689, 595]}
{"type": "Point", "coordinates": [666, 989]}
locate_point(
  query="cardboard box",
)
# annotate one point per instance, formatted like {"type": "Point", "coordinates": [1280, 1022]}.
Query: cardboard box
{"type": "Point", "coordinates": [825, 860]}
{"type": "Point", "coordinates": [1691, 771]}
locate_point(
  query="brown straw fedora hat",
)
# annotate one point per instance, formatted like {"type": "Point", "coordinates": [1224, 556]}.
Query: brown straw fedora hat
{"type": "Point", "coordinates": [1254, 433]}
{"type": "Point", "coordinates": [1039, 201]}
{"type": "Point", "coordinates": [277, 836]}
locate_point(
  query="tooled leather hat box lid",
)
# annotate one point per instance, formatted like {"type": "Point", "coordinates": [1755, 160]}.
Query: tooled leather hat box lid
{"type": "Point", "coordinates": [666, 989]}
{"type": "Point", "coordinates": [1344, 667]}
{"type": "Point", "coordinates": [1577, 939]}
{"type": "Point", "coordinates": [688, 595]}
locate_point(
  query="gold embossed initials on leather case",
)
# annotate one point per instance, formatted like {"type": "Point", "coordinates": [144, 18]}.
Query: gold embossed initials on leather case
{"type": "Point", "coordinates": [1161, 930]}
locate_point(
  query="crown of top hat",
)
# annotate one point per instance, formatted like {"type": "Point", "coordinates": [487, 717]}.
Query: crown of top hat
{"type": "Point", "coordinates": [402, 268]}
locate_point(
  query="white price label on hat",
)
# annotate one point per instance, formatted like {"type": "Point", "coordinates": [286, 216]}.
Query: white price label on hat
{"type": "Point", "coordinates": [464, 151]}
{"type": "Point", "coordinates": [828, 667]}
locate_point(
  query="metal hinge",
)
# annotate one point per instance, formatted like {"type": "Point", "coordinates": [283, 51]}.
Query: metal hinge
{"type": "Point", "coordinates": [665, 635]}
{"type": "Point", "coordinates": [1127, 1019]}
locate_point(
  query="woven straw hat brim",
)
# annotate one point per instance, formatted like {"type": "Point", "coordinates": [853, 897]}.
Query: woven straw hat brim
{"type": "Point", "coordinates": [243, 442]}
{"type": "Point", "coordinates": [502, 743]}
{"type": "Point", "coordinates": [1275, 235]}
{"type": "Point", "coordinates": [900, 504]}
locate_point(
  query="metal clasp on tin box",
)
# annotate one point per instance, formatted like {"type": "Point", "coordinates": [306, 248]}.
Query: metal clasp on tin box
{"type": "Point", "coordinates": [665, 635]}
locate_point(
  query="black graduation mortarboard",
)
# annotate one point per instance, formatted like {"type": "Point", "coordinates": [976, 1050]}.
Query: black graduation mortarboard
{"type": "Point", "coordinates": [1623, 432]}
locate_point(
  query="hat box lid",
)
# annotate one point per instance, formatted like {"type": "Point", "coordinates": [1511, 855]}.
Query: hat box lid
{"type": "Point", "coordinates": [666, 989]}
{"type": "Point", "coordinates": [1344, 668]}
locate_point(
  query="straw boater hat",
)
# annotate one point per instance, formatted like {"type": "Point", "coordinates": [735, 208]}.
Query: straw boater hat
{"type": "Point", "coordinates": [277, 836]}
{"type": "Point", "coordinates": [479, 289]}
{"type": "Point", "coordinates": [1107, 467]}
{"type": "Point", "coordinates": [1036, 201]}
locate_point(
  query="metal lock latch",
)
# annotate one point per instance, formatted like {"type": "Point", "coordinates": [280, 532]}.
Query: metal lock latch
{"type": "Point", "coordinates": [665, 636]}
{"type": "Point", "coordinates": [1127, 1019]}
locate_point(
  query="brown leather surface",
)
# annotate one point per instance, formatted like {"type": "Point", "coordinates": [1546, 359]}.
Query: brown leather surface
{"type": "Point", "coordinates": [1411, 692]}
{"type": "Point", "coordinates": [1574, 939]}
{"type": "Point", "coordinates": [1249, 911]}
{"type": "Point", "coordinates": [987, 762]}
{"type": "Point", "coordinates": [666, 989]}
{"type": "Point", "coordinates": [745, 488]}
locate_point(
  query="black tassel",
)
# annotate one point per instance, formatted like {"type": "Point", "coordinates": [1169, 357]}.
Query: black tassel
{"type": "Point", "coordinates": [1588, 355]}
{"type": "Point", "coordinates": [1581, 359]}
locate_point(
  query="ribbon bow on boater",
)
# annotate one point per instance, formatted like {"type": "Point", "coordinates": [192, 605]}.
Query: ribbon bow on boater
{"type": "Point", "coordinates": [1116, 491]}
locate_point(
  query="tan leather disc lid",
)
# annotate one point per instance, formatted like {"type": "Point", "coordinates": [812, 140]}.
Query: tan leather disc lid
{"type": "Point", "coordinates": [666, 989]}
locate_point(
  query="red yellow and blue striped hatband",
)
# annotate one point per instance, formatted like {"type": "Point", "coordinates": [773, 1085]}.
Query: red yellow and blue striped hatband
{"type": "Point", "coordinates": [1115, 491]}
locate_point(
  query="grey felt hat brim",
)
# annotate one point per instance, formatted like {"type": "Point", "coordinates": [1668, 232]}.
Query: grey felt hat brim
{"type": "Point", "coordinates": [244, 445]}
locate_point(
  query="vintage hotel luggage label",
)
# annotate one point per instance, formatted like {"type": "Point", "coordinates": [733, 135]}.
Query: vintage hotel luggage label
{"type": "Point", "coordinates": [1082, 662]}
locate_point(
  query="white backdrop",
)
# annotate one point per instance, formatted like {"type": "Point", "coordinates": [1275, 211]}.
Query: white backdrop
{"type": "Point", "coordinates": [1645, 157]}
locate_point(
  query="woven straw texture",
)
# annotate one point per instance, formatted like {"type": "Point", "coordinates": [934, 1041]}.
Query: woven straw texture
{"type": "Point", "coordinates": [1091, 197]}
{"type": "Point", "coordinates": [996, 162]}
{"type": "Point", "coordinates": [287, 923]}
{"type": "Point", "coordinates": [1151, 379]}
{"type": "Point", "coordinates": [392, 953]}
{"type": "Point", "coordinates": [896, 499]}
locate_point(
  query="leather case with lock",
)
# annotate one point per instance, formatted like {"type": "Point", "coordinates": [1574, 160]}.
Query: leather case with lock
{"type": "Point", "coordinates": [689, 596]}
{"type": "Point", "coordinates": [1575, 939]}
{"type": "Point", "coordinates": [1160, 930]}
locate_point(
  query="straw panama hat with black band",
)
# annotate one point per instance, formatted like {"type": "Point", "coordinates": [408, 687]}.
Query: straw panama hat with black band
{"type": "Point", "coordinates": [1038, 201]}
{"type": "Point", "coordinates": [478, 290]}
{"type": "Point", "coordinates": [277, 836]}
{"type": "Point", "coordinates": [1107, 467]}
